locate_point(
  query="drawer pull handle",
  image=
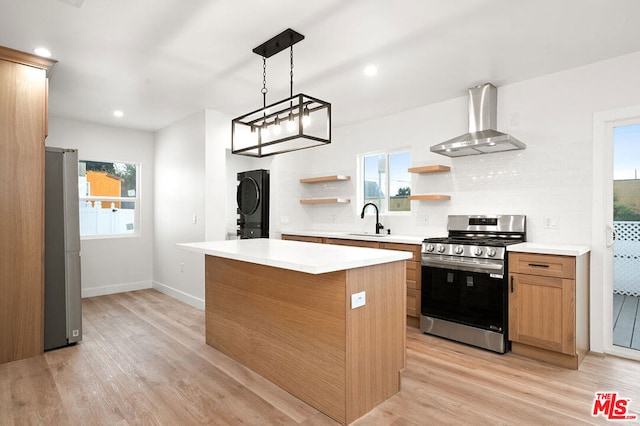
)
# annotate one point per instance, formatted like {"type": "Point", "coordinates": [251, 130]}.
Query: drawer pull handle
{"type": "Point", "coordinates": [538, 265]}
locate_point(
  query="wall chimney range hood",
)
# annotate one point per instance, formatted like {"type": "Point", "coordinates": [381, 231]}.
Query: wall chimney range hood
{"type": "Point", "coordinates": [482, 137]}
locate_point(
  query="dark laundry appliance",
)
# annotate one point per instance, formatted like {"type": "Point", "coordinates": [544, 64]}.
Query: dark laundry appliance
{"type": "Point", "coordinates": [253, 204]}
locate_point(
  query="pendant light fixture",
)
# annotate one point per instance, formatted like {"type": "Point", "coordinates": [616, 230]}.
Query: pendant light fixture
{"type": "Point", "coordinates": [294, 123]}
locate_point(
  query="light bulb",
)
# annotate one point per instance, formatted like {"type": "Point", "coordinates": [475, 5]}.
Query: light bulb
{"type": "Point", "coordinates": [291, 125]}
{"type": "Point", "coordinates": [306, 120]}
{"type": "Point", "coordinates": [277, 129]}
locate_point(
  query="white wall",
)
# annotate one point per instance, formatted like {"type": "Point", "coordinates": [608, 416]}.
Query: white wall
{"type": "Point", "coordinates": [179, 195]}
{"type": "Point", "coordinates": [221, 167]}
{"type": "Point", "coordinates": [553, 115]}
{"type": "Point", "coordinates": [111, 265]}
{"type": "Point", "coordinates": [190, 183]}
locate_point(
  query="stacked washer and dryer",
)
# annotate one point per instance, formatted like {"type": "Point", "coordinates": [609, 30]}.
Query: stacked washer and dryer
{"type": "Point", "coordinates": [253, 204]}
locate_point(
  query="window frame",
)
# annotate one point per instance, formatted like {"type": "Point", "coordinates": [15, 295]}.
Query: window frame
{"type": "Point", "coordinates": [137, 203]}
{"type": "Point", "coordinates": [361, 180]}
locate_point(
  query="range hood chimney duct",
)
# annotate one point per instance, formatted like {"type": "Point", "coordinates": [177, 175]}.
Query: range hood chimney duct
{"type": "Point", "coordinates": [482, 137]}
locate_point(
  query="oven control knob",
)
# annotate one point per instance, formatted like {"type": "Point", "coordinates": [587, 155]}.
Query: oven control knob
{"type": "Point", "coordinates": [478, 251]}
{"type": "Point", "coordinates": [491, 252]}
{"type": "Point", "coordinates": [429, 247]}
{"type": "Point", "coordinates": [440, 248]}
{"type": "Point", "coordinates": [459, 250]}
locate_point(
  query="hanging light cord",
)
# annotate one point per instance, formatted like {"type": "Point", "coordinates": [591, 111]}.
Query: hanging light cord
{"type": "Point", "coordinates": [264, 82]}
{"type": "Point", "coordinates": [291, 73]}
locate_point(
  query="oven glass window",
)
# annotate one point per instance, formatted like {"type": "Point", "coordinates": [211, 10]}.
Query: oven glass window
{"type": "Point", "coordinates": [468, 298]}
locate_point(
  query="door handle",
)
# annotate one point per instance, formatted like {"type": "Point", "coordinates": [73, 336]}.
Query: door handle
{"type": "Point", "coordinates": [611, 235]}
{"type": "Point", "coordinates": [538, 265]}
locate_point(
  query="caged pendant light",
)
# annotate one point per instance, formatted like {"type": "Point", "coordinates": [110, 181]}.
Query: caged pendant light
{"type": "Point", "coordinates": [295, 123]}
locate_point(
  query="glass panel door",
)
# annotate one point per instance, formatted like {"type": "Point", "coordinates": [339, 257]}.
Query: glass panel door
{"type": "Point", "coordinates": [626, 244]}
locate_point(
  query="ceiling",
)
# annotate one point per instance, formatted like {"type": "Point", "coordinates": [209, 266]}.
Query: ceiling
{"type": "Point", "coordinates": [162, 60]}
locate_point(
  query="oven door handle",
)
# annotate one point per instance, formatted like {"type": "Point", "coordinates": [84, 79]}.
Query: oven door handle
{"type": "Point", "coordinates": [490, 268]}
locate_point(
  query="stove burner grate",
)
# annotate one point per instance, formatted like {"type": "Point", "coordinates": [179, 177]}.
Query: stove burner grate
{"type": "Point", "coordinates": [476, 241]}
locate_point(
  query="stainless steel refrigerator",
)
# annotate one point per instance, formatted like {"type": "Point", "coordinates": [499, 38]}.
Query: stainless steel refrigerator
{"type": "Point", "coordinates": [62, 289]}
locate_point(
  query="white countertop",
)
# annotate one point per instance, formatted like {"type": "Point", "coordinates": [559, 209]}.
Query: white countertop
{"type": "Point", "coordinates": [550, 248]}
{"type": "Point", "coordinates": [311, 258]}
{"type": "Point", "coordinates": [363, 236]}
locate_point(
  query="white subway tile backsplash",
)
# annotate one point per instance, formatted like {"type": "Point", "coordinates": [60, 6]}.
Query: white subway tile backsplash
{"type": "Point", "coordinates": [553, 176]}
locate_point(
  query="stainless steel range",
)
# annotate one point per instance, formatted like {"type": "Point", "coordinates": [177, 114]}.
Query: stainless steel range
{"type": "Point", "coordinates": [464, 280]}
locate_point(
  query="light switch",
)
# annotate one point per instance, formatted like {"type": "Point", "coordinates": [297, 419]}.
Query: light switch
{"type": "Point", "coordinates": [358, 299]}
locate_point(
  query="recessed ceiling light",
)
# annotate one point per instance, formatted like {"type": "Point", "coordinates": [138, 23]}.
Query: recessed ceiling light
{"type": "Point", "coordinates": [75, 3]}
{"type": "Point", "coordinates": [42, 51]}
{"type": "Point", "coordinates": [118, 113]}
{"type": "Point", "coordinates": [370, 70]}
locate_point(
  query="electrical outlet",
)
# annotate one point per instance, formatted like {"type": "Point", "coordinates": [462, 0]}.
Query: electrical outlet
{"type": "Point", "coordinates": [284, 220]}
{"type": "Point", "coordinates": [425, 219]}
{"type": "Point", "coordinates": [75, 333]}
{"type": "Point", "coordinates": [550, 222]}
{"type": "Point", "coordinates": [181, 266]}
{"type": "Point", "coordinates": [195, 219]}
{"type": "Point", "coordinates": [358, 299]}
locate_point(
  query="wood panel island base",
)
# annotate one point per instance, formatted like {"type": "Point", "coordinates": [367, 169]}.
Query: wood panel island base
{"type": "Point", "coordinates": [284, 310]}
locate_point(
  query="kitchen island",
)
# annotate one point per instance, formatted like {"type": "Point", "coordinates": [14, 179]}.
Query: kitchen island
{"type": "Point", "coordinates": [326, 323]}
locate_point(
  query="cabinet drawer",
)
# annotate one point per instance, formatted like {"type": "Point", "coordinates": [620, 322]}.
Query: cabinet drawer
{"type": "Point", "coordinates": [411, 270]}
{"type": "Point", "coordinates": [413, 302]}
{"type": "Point", "coordinates": [355, 243]}
{"type": "Point", "coordinates": [303, 238]}
{"type": "Point", "coordinates": [414, 275]}
{"type": "Point", "coordinates": [413, 248]}
{"type": "Point", "coordinates": [546, 265]}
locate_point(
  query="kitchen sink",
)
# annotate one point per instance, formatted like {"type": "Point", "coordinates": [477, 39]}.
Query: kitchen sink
{"type": "Point", "coordinates": [367, 234]}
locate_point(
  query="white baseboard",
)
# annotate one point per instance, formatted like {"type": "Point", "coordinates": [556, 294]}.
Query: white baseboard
{"type": "Point", "coordinates": [180, 295]}
{"type": "Point", "coordinates": [116, 288]}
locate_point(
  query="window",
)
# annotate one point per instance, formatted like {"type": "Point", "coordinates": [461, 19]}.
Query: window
{"type": "Point", "coordinates": [109, 198]}
{"type": "Point", "coordinates": [386, 181]}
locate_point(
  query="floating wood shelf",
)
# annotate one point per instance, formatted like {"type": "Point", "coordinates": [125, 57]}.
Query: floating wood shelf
{"type": "Point", "coordinates": [430, 197]}
{"type": "Point", "coordinates": [325, 179]}
{"type": "Point", "coordinates": [325, 200]}
{"type": "Point", "coordinates": [429, 169]}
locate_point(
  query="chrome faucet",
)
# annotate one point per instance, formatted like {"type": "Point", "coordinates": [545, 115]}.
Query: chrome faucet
{"type": "Point", "coordinates": [378, 224]}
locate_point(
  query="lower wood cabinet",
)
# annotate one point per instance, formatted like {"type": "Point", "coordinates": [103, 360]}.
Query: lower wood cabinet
{"type": "Point", "coordinates": [354, 243]}
{"type": "Point", "coordinates": [303, 239]}
{"type": "Point", "coordinates": [414, 268]}
{"type": "Point", "coordinates": [414, 280]}
{"type": "Point", "coordinates": [414, 288]}
{"type": "Point", "coordinates": [548, 307]}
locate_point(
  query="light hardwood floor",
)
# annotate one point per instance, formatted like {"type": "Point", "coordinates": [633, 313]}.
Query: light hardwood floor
{"type": "Point", "coordinates": [143, 360]}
